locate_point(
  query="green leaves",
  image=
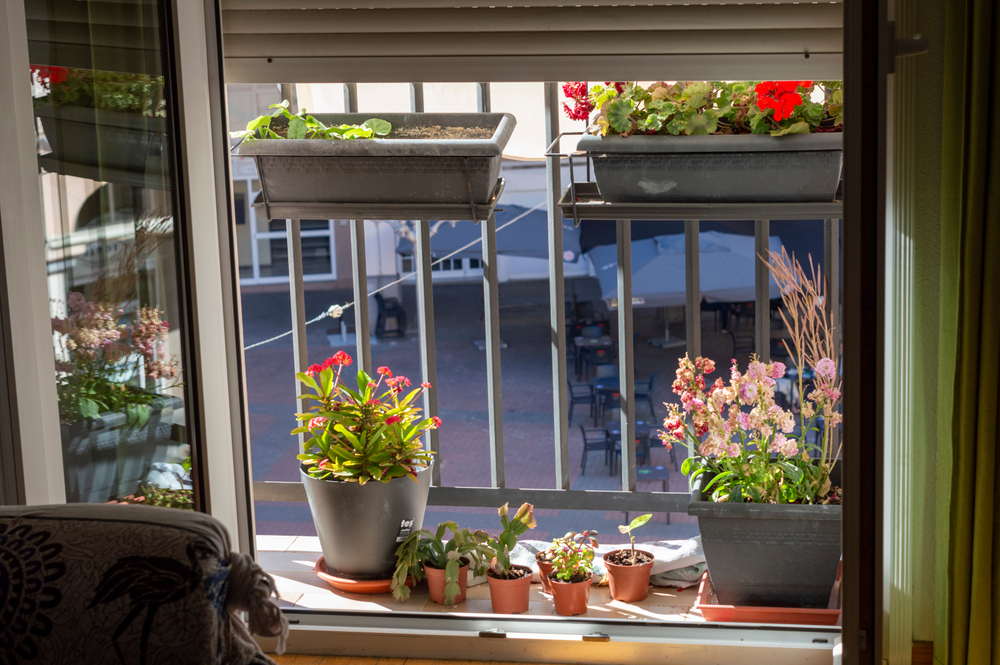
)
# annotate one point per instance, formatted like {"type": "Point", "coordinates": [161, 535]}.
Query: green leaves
{"type": "Point", "coordinates": [301, 125]}
{"type": "Point", "coordinates": [801, 127]}
{"type": "Point", "coordinates": [618, 113]}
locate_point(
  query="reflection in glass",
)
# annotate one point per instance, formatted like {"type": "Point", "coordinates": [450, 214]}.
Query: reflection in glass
{"type": "Point", "coordinates": [104, 151]}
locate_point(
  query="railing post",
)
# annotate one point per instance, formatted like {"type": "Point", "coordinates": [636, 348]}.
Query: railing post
{"type": "Point", "coordinates": [351, 97]}
{"type": "Point", "coordinates": [417, 97]}
{"type": "Point", "coordinates": [831, 268]}
{"type": "Point", "coordinates": [557, 293]}
{"type": "Point", "coordinates": [491, 309]}
{"type": "Point", "coordinates": [692, 285]}
{"type": "Point", "coordinates": [300, 350]}
{"type": "Point", "coordinates": [483, 103]}
{"type": "Point", "coordinates": [359, 271]}
{"type": "Point", "coordinates": [428, 357]}
{"type": "Point", "coordinates": [626, 354]}
{"type": "Point", "coordinates": [762, 290]}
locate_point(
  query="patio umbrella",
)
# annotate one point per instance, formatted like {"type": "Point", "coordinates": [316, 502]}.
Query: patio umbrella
{"type": "Point", "coordinates": [726, 267]}
{"type": "Point", "coordinates": [528, 236]}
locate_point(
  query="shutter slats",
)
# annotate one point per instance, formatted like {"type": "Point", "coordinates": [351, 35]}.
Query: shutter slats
{"type": "Point", "coordinates": [527, 44]}
{"type": "Point", "coordinates": [528, 40]}
{"type": "Point", "coordinates": [465, 4]}
{"type": "Point", "coordinates": [610, 19]}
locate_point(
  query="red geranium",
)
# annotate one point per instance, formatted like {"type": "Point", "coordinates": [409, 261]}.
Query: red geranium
{"type": "Point", "coordinates": [781, 96]}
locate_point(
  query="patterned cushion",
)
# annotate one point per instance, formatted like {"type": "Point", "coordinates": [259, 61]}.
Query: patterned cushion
{"type": "Point", "coordinates": [108, 584]}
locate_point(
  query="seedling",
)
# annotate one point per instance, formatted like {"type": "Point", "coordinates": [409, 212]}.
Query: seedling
{"type": "Point", "coordinates": [632, 526]}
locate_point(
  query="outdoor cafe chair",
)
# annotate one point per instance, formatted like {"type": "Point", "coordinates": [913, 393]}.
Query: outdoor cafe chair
{"type": "Point", "coordinates": [593, 439]}
{"type": "Point", "coordinates": [644, 391]}
{"type": "Point", "coordinates": [580, 393]}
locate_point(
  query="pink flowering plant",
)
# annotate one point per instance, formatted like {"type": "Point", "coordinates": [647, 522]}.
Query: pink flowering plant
{"type": "Point", "coordinates": [99, 353]}
{"type": "Point", "coordinates": [739, 436]}
{"type": "Point", "coordinates": [362, 434]}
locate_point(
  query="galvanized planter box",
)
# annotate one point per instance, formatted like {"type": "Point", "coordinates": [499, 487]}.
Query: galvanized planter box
{"type": "Point", "coordinates": [105, 459]}
{"type": "Point", "coordinates": [108, 139]}
{"type": "Point", "coordinates": [716, 169]}
{"type": "Point", "coordinates": [388, 170]}
{"type": "Point", "coordinates": [768, 555]}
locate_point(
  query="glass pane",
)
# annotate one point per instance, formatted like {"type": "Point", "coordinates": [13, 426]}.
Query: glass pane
{"type": "Point", "coordinates": [105, 150]}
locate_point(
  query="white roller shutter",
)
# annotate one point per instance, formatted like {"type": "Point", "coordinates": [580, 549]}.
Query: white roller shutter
{"type": "Point", "coordinates": [528, 40]}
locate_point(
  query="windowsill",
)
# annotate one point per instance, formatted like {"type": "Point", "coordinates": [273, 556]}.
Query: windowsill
{"type": "Point", "coordinates": [290, 560]}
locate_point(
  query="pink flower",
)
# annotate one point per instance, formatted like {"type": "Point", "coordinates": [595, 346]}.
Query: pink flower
{"type": "Point", "coordinates": [391, 420]}
{"type": "Point", "coordinates": [425, 384]}
{"type": "Point", "coordinates": [777, 370]}
{"type": "Point", "coordinates": [826, 369]}
{"type": "Point", "coordinates": [313, 369]}
{"type": "Point", "coordinates": [436, 421]}
{"type": "Point", "coordinates": [318, 421]}
{"type": "Point", "coordinates": [384, 371]}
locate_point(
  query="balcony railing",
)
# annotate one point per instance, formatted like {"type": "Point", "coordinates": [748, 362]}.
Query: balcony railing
{"type": "Point", "coordinates": [558, 202]}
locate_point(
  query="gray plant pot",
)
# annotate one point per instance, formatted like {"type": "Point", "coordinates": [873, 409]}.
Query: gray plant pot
{"type": "Point", "coordinates": [716, 169]}
{"type": "Point", "coordinates": [104, 459]}
{"type": "Point", "coordinates": [108, 139]}
{"type": "Point", "coordinates": [360, 526]}
{"type": "Point", "coordinates": [383, 170]}
{"type": "Point", "coordinates": [768, 555]}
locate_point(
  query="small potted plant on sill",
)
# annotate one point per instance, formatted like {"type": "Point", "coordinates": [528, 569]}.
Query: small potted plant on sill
{"type": "Point", "coordinates": [365, 471]}
{"type": "Point", "coordinates": [445, 563]}
{"type": "Point", "coordinates": [392, 158]}
{"type": "Point", "coordinates": [510, 585]}
{"type": "Point", "coordinates": [544, 561]}
{"type": "Point", "coordinates": [628, 569]}
{"type": "Point", "coordinates": [572, 572]}
{"type": "Point", "coordinates": [762, 494]}
{"type": "Point", "coordinates": [711, 141]}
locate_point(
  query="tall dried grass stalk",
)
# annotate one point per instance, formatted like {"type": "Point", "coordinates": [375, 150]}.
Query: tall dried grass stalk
{"type": "Point", "coordinates": [809, 324]}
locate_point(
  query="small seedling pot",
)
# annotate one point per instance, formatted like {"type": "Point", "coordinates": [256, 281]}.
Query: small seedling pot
{"type": "Point", "coordinates": [629, 584]}
{"type": "Point", "coordinates": [571, 598]}
{"type": "Point", "coordinates": [544, 570]}
{"type": "Point", "coordinates": [436, 582]}
{"type": "Point", "coordinates": [510, 596]}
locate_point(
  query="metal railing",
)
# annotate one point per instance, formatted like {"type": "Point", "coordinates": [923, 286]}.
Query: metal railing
{"type": "Point", "coordinates": [558, 204]}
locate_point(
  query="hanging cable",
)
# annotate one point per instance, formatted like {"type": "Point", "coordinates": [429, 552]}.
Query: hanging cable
{"type": "Point", "coordinates": [336, 311]}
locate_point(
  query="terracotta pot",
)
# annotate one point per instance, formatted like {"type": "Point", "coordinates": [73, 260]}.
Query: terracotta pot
{"type": "Point", "coordinates": [571, 598]}
{"type": "Point", "coordinates": [629, 584]}
{"type": "Point", "coordinates": [436, 582]}
{"type": "Point", "coordinates": [510, 596]}
{"type": "Point", "coordinates": [544, 570]}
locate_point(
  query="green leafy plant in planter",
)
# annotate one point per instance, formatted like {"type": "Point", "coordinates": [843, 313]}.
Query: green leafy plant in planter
{"type": "Point", "coordinates": [503, 544]}
{"type": "Point", "coordinates": [573, 556]}
{"type": "Point", "coordinates": [135, 94]}
{"type": "Point", "coordinates": [424, 551]}
{"type": "Point", "coordinates": [360, 435]}
{"type": "Point", "coordinates": [301, 125]}
{"type": "Point", "coordinates": [572, 560]}
{"type": "Point", "coordinates": [710, 107]}
{"type": "Point", "coordinates": [510, 585]}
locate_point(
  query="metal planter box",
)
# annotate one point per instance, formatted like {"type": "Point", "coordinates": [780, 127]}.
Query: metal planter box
{"type": "Point", "coordinates": [768, 555]}
{"type": "Point", "coordinates": [105, 459]}
{"type": "Point", "coordinates": [389, 170]}
{"type": "Point", "coordinates": [716, 169]}
{"type": "Point", "coordinates": [108, 139]}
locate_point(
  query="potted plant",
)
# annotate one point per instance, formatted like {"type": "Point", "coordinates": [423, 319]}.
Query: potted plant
{"type": "Point", "coordinates": [113, 120]}
{"type": "Point", "coordinates": [572, 572]}
{"type": "Point", "coordinates": [762, 494]}
{"type": "Point", "coordinates": [510, 584]}
{"type": "Point", "coordinates": [445, 563]}
{"type": "Point", "coordinates": [701, 141]}
{"type": "Point", "coordinates": [365, 471]}
{"type": "Point", "coordinates": [392, 158]}
{"type": "Point", "coordinates": [628, 569]}
{"type": "Point", "coordinates": [544, 561]}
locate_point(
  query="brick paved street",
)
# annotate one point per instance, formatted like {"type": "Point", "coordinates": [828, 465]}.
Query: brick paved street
{"type": "Point", "coordinates": [462, 396]}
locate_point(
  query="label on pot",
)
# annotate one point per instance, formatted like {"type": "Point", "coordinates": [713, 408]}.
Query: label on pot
{"type": "Point", "coordinates": [405, 527]}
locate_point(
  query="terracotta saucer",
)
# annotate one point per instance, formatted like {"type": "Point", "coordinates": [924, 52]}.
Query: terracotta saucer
{"type": "Point", "coordinates": [352, 586]}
